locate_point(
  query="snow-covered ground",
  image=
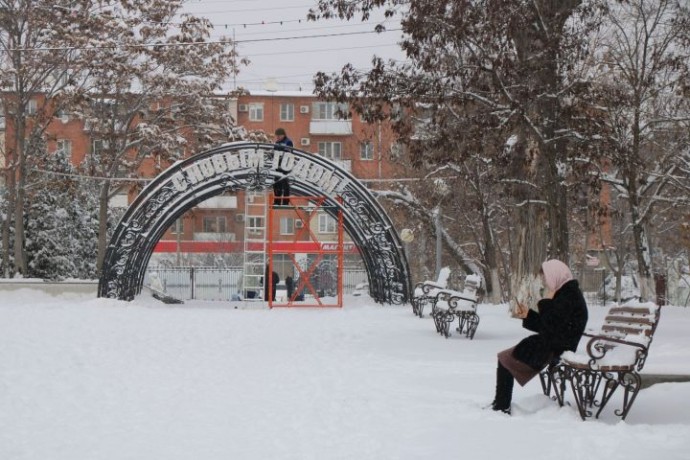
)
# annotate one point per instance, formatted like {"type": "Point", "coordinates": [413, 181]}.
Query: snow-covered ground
{"type": "Point", "coordinates": [90, 379]}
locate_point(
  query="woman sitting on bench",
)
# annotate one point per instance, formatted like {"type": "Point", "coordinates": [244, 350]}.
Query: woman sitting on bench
{"type": "Point", "coordinates": [558, 324]}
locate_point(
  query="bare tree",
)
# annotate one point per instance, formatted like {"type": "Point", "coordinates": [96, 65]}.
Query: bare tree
{"type": "Point", "coordinates": [645, 63]}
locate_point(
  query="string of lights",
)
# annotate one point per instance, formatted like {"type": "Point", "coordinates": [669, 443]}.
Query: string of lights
{"type": "Point", "coordinates": [139, 179]}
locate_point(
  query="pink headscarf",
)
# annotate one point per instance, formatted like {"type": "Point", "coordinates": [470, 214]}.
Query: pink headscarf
{"type": "Point", "coordinates": [556, 274]}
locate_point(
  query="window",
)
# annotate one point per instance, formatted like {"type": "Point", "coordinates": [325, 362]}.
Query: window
{"type": "Point", "coordinates": [287, 226]}
{"type": "Point", "coordinates": [64, 145]}
{"type": "Point", "coordinates": [256, 112]}
{"type": "Point", "coordinates": [255, 222]}
{"type": "Point", "coordinates": [99, 146]}
{"type": "Point", "coordinates": [326, 224]}
{"type": "Point", "coordinates": [177, 227]}
{"type": "Point", "coordinates": [366, 151]}
{"type": "Point", "coordinates": [397, 151]}
{"type": "Point", "coordinates": [32, 107]}
{"type": "Point", "coordinates": [62, 114]}
{"type": "Point", "coordinates": [328, 110]}
{"type": "Point", "coordinates": [214, 224]}
{"type": "Point", "coordinates": [332, 150]}
{"type": "Point", "coordinates": [287, 112]}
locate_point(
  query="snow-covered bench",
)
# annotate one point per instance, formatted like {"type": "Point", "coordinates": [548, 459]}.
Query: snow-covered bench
{"type": "Point", "coordinates": [425, 292]}
{"type": "Point", "coordinates": [612, 357]}
{"type": "Point", "coordinates": [462, 305]}
{"type": "Point", "coordinates": [158, 291]}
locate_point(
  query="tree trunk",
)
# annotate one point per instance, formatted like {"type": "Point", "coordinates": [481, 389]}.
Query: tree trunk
{"type": "Point", "coordinates": [644, 262]}
{"type": "Point", "coordinates": [542, 228]}
{"type": "Point", "coordinates": [531, 252]}
{"type": "Point", "coordinates": [493, 285]}
{"type": "Point", "coordinates": [20, 193]}
{"type": "Point", "coordinates": [102, 225]}
{"type": "Point", "coordinates": [7, 222]}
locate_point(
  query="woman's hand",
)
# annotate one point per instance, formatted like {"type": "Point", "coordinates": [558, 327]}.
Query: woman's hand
{"type": "Point", "coordinates": [521, 310]}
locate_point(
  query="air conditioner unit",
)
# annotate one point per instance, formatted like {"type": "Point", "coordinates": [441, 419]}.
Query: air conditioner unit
{"type": "Point", "coordinates": [303, 109]}
{"type": "Point", "coordinates": [239, 217]}
{"type": "Point", "coordinates": [299, 223]}
{"type": "Point", "coordinates": [305, 141]}
{"type": "Point", "coordinates": [243, 108]}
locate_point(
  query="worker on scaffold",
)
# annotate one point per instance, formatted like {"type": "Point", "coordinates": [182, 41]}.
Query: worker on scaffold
{"type": "Point", "coordinates": [281, 188]}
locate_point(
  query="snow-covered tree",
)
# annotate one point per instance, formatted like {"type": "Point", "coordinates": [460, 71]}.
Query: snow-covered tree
{"type": "Point", "coordinates": [152, 93]}
{"type": "Point", "coordinates": [644, 70]}
{"type": "Point", "coordinates": [143, 77]}
{"type": "Point", "coordinates": [36, 37]}
{"type": "Point", "coordinates": [503, 79]}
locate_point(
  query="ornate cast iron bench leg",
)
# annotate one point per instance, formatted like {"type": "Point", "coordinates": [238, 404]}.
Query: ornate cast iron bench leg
{"type": "Point", "coordinates": [553, 378]}
{"type": "Point", "coordinates": [415, 305]}
{"type": "Point", "coordinates": [630, 381]}
{"type": "Point", "coordinates": [418, 304]}
{"type": "Point", "coordinates": [472, 322]}
{"type": "Point", "coordinates": [585, 383]}
{"type": "Point", "coordinates": [447, 319]}
{"type": "Point", "coordinates": [436, 315]}
{"type": "Point", "coordinates": [461, 322]}
{"type": "Point", "coordinates": [468, 321]}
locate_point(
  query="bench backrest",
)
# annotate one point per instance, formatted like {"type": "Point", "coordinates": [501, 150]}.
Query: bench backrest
{"type": "Point", "coordinates": [625, 321]}
{"type": "Point", "coordinates": [631, 325]}
{"type": "Point", "coordinates": [472, 284]}
{"type": "Point", "coordinates": [443, 276]}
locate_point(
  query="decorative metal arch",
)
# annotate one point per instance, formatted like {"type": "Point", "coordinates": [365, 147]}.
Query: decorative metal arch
{"type": "Point", "coordinates": [254, 166]}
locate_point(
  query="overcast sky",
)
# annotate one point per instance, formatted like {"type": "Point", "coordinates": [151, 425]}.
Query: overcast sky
{"type": "Point", "coordinates": [291, 62]}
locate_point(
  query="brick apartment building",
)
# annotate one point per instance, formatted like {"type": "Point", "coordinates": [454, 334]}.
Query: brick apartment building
{"type": "Point", "coordinates": [218, 225]}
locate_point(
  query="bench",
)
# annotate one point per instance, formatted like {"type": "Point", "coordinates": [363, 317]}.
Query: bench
{"type": "Point", "coordinates": [612, 357]}
{"type": "Point", "coordinates": [449, 305]}
{"type": "Point", "coordinates": [158, 291]}
{"type": "Point", "coordinates": [425, 292]}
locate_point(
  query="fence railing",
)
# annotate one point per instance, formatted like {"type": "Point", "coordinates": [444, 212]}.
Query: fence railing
{"type": "Point", "coordinates": [208, 283]}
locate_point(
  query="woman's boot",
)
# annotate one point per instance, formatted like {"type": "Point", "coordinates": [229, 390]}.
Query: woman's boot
{"type": "Point", "coordinates": [504, 390]}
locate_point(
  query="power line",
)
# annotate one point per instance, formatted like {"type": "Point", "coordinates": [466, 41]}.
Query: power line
{"type": "Point", "coordinates": [184, 45]}
{"type": "Point", "coordinates": [321, 50]}
{"type": "Point", "coordinates": [251, 10]}
{"type": "Point", "coordinates": [281, 22]}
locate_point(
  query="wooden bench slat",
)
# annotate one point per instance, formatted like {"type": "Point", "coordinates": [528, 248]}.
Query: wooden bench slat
{"type": "Point", "coordinates": [626, 320]}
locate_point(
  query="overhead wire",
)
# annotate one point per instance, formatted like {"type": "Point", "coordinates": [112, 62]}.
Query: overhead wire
{"type": "Point", "coordinates": [190, 44]}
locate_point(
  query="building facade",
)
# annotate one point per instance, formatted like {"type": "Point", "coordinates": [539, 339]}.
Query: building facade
{"type": "Point", "coordinates": [213, 232]}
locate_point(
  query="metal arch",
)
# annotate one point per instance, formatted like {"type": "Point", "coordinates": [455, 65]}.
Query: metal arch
{"type": "Point", "coordinates": [254, 166]}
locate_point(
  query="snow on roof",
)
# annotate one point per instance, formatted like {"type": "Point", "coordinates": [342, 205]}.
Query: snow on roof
{"type": "Point", "coordinates": [279, 93]}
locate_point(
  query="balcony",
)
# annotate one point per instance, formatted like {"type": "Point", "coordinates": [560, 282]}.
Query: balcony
{"type": "Point", "coordinates": [330, 127]}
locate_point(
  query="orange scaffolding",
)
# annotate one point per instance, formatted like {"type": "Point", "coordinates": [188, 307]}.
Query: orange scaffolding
{"type": "Point", "coordinates": [304, 209]}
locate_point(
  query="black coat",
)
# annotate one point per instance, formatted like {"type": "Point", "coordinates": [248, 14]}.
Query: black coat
{"type": "Point", "coordinates": [559, 326]}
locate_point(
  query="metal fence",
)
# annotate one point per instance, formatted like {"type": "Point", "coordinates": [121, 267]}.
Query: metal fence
{"type": "Point", "coordinates": [208, 283]}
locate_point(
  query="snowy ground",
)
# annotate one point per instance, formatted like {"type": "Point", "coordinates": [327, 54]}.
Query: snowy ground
{"type": "Point", "coordinates": [91, 379]}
